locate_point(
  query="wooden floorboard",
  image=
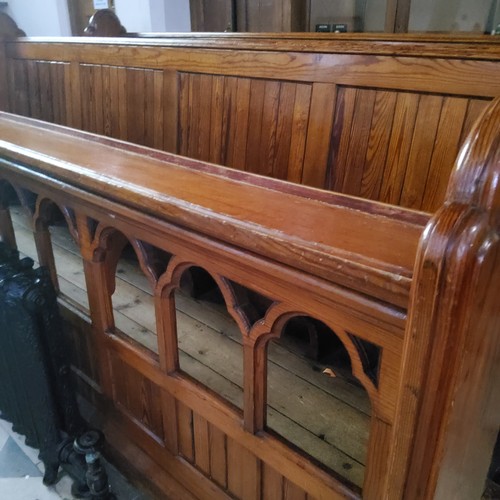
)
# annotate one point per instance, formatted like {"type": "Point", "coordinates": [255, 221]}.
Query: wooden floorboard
{"type": "Point", "coordinates": [326, 417]}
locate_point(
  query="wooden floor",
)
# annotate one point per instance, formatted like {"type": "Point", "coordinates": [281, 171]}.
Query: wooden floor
{"type": "Point", "coordinates": [326, 417]}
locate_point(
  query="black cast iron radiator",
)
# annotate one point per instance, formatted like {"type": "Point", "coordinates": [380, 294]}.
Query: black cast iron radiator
{"type": "Point", "coordinates": [35, 389]}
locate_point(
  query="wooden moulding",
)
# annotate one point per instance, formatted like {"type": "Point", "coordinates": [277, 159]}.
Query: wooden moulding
{"type": "Point", "coordinates": [179, 225]}
{"type": "Point", "coordinates": [402, 71]}
{"type": "Point", "coordinates": [425, 45]}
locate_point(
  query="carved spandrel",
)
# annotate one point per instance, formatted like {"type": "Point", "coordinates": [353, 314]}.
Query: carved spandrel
{"type": "Point", "coordinates": [247, 303]}
{"type": "Point", "coordinates": [153, 261]}
{"type": "Point", "coordinates": [369, 355]}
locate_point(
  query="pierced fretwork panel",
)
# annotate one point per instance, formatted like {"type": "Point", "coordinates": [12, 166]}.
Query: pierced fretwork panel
{"type": "Point", "coordinates": [209, 339]}
{"type": "Point", "coordinates": [133, 303]}
{"type": "Point", "coordinates": [314, 401]}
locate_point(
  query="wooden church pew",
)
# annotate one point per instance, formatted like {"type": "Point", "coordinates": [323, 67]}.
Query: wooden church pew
{"type": "Point", "coordinates": [377, 117]}
{"type": "Point", "coordinates": [426, 332]}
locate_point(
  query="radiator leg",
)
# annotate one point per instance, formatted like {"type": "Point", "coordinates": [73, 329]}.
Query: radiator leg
{"type": "Point", "coordinates": [50, 475]}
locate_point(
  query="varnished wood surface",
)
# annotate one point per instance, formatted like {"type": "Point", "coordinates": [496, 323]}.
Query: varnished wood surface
{"type": "Point", "coordinates": [166, 431]}
{"type": "Point", "coordinates": [336, 113]}
{"type": "Point", "coordinates": [409, 71]}
{"type": "Point", "coordinates": [210, 350]}
{"type": "Point", "coordinates": [456, 328]}
{"type": "Point", "coordinates": [380, 126]}
{"type": "Point", "coordinates": [425, 378]}
{"type": "Point", "coordinates": [428, 45]}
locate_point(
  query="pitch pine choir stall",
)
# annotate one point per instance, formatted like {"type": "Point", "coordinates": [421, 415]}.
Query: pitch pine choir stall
{"type": "Point", "coordinates": [214, 397]}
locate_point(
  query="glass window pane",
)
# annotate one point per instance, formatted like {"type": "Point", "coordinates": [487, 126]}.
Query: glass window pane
{"type": "Point", "coordinates": [454, 15]}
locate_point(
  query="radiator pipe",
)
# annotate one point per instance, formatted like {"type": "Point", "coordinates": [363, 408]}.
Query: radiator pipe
{"type": "Point", "coordinates": [90, 445]}
{"type": "Point", "coordinates": [81, 459]}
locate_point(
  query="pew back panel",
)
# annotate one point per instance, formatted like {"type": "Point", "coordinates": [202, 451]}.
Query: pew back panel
{"type": "Point", "coordinates": [382, 124]}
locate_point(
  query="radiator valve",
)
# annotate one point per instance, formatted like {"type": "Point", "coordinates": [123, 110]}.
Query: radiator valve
{"type": "Point", "coordinates": [90, 444]}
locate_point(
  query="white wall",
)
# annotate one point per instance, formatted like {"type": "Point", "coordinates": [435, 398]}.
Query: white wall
{"type": "Point", "coordinates": [41, 17]}
{"type": "Point", "coordinates": [375, 15]}
{"type": "Point", "coordinates": [134, 15]}
{"type": "Point", "coordinates": [157, 15]}
{"type": "Point", "coordinates": [449, 15]}
{"type": "Point", "coordinates": [177, 16]}
{"type": "Point", "coordinates": [154, 15]}
{"type": "Point", "coordinates": [51, 17]}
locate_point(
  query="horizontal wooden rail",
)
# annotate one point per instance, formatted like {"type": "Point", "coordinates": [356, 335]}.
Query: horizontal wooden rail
{"type": "Point", "coordinates": [428, 45]}
{"type": "Point", "coordinates": [252, 215]}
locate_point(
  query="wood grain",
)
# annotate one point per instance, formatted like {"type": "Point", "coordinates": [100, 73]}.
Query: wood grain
{"type": "Point", "coordinates": [21, 104]}
{"type": "Point", "coordinates": [202, 447]}
{"type": "Point", "coordinates": [361, 127]}
{"type": "Point", "coordinates": [243, 472]}
{"type": "Point", "coordinates": [294, 127]}
{"type": "Point", "coordinates": [318, 134]}
{"type": "Point", "coordinates": [451, 124]}
{"type": "Point", "coordinates": [130, 398]}
{"type": "Point", "coordinates": [185, 431]}
{"type": "Point", "coordinates": [435, 356]}
{"type": "Point", "coordinates": [393, 134]}
{"type": "Point", "coordinates": [396, 147]}
{"type": "Point", "coordinates": [395, 257]}
{"type": "Point", "coordinates": [300, 123]}
{"type": "Point", "coordinates": [73, 95]}
{"type": "Point", "coordinates": [378, 144]}
{"type": "Point", "coordinates": [424, 136]}
{"type": "Point", "coordinates": [272, 483]}
{"type": "Point", "coordinates": [474, 76]}
{"type": "Point", "coordinates": [134, 82]}
{"type": "Point", "coordinates": [218, 456]}
{"type": "Point", "coordinates": [240, 103]}
{"type": "Point", "coordinates": [246, 124]}
{"type": "Point", "coordinates": [206, 354]}
{"type": "Point", "coordinates": [34, 89]}
{"type": "Point", "coordinates": [293, 492]}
